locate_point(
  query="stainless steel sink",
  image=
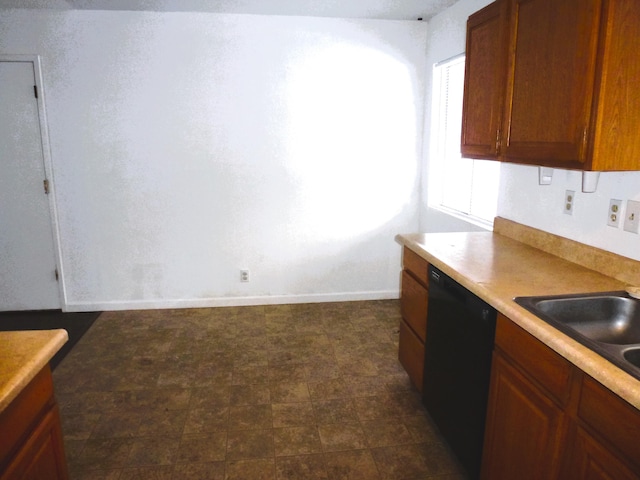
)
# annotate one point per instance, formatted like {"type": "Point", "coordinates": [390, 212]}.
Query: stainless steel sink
{"type": "Point", "coordinates": [607, 318]}
{"type": "Point", "coordinates": [632, 356]}
{"type": "Point", "coordinates": [608, 323]}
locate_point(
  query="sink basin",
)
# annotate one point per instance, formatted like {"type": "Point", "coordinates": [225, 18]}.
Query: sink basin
{"type": "Point", "coordinates": [608, 323]}
{"type": "Point", "coordinates": [632, 356]}
{"type": "Point", "coordinates": [608, 318]}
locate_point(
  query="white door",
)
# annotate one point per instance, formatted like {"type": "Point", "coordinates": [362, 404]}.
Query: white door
{"type": "Point", "coordinates": [27, 254]}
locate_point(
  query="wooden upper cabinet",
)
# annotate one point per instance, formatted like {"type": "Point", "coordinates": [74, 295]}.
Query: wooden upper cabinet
{"type": "Point", "coordinates": [484, 82]}
{"type": "Point", "coordinates": [551, 76]}
{"type": "Point", "coordinates": [569, 85]}
{"type": "Point", "coordinates": [615, 142]}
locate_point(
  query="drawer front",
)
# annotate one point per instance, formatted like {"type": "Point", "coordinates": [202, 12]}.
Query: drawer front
{"type": "Point", "coordinates": [417, 265]}
{"type": "Point", "coordinates": [612, 417]}
{"type": "Point", "coordinates": [413, 305]}
{"type": "Point", "coordinates": [411, 355]}
{"type": "Point", "coordinates": [552, 372]}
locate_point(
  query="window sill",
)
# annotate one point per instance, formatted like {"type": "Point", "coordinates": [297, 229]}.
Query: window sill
{"type": "Point", "coordinates": [478, 222]}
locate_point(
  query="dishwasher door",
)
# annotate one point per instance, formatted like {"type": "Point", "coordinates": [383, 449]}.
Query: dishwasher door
{"type": "Point", "coordinates": [457, 366]}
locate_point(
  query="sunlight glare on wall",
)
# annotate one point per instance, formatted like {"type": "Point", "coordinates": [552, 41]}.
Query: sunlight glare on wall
{"type": "Point", "coordinates": [353, 150]}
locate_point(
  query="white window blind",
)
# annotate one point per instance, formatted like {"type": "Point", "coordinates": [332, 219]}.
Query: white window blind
{"type": "Point", "coordinates": [459, 186]}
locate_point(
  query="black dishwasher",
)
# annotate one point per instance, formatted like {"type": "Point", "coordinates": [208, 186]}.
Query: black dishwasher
{"type": "Point", "coordinates": [457, 366]}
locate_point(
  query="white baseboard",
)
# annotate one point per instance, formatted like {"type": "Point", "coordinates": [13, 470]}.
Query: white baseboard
{"type": "Point", "coordinates": [230, 301]}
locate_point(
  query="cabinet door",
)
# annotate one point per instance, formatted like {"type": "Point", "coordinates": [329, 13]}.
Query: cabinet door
{"type": "Point", "coordinates": [484, 79]}
{"type": "Point", "coordinates": [524, 428]}
{"type": "Point", "coordinates": [42, 456]}
{"type": "Point", "coordinates": [616, 139]}
{"type": "Point", "coordinates": [552, 66]}
{"type": "Point", "coordinates": [588, 459]}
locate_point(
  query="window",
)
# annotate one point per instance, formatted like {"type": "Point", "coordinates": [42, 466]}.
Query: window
{"type": "Point", "coordinates": [459, 186]}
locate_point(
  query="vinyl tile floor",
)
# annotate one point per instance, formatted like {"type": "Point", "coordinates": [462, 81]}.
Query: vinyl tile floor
{"type": "Point", "coordinates": [311, 391]}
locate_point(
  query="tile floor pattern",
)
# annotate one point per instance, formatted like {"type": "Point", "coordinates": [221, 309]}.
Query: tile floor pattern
{"type": "Point", "coordinates": [308, 392]}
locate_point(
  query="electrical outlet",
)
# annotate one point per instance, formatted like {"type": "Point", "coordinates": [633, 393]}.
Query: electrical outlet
{"type": "Point", "coordinates": [615, 213]}
{"type": "Point", "coordinates": [632, 216]}
{"type": "Point", "coordinates": [244, 275]}
{"type": "Point", "coordinates": [569, 196]}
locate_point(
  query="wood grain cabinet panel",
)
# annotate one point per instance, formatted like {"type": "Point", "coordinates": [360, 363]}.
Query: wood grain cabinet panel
{"type": "Point", "coordinates": [548, 419]}
{"type": "Point", "coordinates": [546, 367]}
{"type": "Point", "coordinates": [525, 421]}
{"type": "Point", "coordinates": [31, 445]}
{"type": "Point", "coordinates": [413, 306]}
{"type": "Point", "coordinates": [614, 140]}
{"type": "Point", "coordinates": [485, 64]}
{"type": "Point", "coordinates": [568, 85]}
{"type": "Point", "coordinates": [418, 266]}
{"type": "Point", "coordinates": [42, 456]}
{"type": "Point", "coordinates": [612, 418]}
{"type": "Point", "coordinates": [589, 459]}
{"type": "Point", "coordinates": [551, 78]}
{"type": "Point", "coordinates": [524, 427]}
{"type": "Point", "coordinates": [411, 355]}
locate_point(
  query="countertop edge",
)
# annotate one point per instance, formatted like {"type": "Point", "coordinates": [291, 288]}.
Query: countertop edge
{"type": "Point", "coordinates": [605, 372]}
{"type": "Point", "coordinates": [24, 373]}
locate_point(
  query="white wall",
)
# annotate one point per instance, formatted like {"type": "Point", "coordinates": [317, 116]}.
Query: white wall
{"type": "Point", "coordinates": [542, 207]}
{"type": "Point", "coordinates": [521, 198]}
{"type": "Point", "coordinates": [188, 146]}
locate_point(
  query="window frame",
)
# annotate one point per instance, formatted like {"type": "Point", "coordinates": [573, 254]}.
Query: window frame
{"type": "Point", "coordinates": [437, 174]}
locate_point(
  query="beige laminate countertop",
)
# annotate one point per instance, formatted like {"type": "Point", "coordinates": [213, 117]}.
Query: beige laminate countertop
{"type": "Point", "coordinates": [22, 355]}
{"type": "Point", "coordinates": [498, 268]}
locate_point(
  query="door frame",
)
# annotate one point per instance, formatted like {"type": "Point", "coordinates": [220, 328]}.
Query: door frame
{"type": "Point", "coordinates": [48, 167]}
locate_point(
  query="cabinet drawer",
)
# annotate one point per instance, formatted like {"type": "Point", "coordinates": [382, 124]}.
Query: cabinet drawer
{"type": "Point", "coordinates": [417, 265]}
{"type": "Point", "coordinates": [411, 355]}
{"type": "Point", "coordinates": [546, 367]}
{"type": "Point", "coordinates": [413, 305]}
{"type": "Point", "coordinates": [613, 418]}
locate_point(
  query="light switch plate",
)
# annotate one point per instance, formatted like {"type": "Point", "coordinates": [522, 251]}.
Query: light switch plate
{"type": "Point", "coordinates": [632, 216]}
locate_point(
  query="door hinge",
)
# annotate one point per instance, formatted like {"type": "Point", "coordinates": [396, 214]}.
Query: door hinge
{"type": "Point", "coordinates": [46, 186]}
{"type": "Point", "coordinates": [35, 90]}
{"type": "Point", "coordinates": [498, 139]}
{"type": "Point", "coordinates": [56, 274]}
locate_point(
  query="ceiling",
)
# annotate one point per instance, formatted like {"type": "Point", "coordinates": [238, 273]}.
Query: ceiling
{"type": "Point", "coordinates": [373, 9]}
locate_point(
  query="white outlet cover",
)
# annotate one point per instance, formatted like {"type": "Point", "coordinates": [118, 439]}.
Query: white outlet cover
{"type": "Point", "coordinates": [632, 216]}
{"type": "Point", "coordinates": [615, 213]}
{"type": "Point", "coordinates": [569, 198]}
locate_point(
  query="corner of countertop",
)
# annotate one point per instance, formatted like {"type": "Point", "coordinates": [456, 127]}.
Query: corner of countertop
{"type": "Point", "coordinates": [23, 355]}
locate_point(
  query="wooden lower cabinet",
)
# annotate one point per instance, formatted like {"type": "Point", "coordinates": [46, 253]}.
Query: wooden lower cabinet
{"type": "Point", "coordinates": [413, 306]}
{"type": "Point", "coordinates": [31, 445]}
{"type": "Point", "coordinates": [524, 427]}
{"type": "Point", "coordinates": [587, 458]}
{"type": "Point", "coordinates": [411, 355]}
{"type": "Point", "coordinates": [41, 457]}
{"type": "Point", "coordinates": [547, 422]}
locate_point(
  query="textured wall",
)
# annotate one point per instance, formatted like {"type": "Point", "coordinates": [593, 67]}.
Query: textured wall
{"type": "Point", "coordinates": [186, 147]}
